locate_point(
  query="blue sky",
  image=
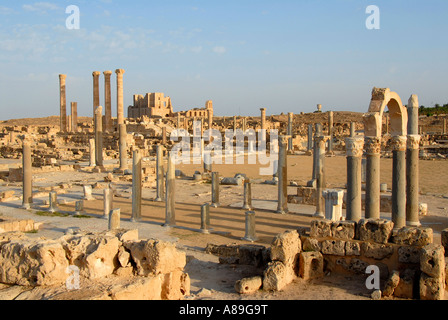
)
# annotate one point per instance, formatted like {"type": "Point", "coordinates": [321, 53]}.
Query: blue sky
{"type": "Point", "coordinates": [287, 56]}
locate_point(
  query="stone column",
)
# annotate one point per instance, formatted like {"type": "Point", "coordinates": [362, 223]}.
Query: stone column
{"type": "Point", "coordinates": [319, 108]}
{"type": "Point", "coordinates": [263, 118]}
{"type": "Point", "coordinates": [120, 112]}
{"type": "Point", "coordinates": [234, 124]}
{"type": "Point", "coordinates": [247, 203]}
{"type": "Point", "coordinates": [215, 189]}
{"type": "Point", "coordinates": [354, 148]}
{"type": "Point", "coordinates": [309, 148]}
{"type": "Point", "coordinates": [79, 207]}
{"type": "Point", "coordinates": [317, 133]}
{"type": "Point", "coordinates": [108, 202]}
{"type": "Point", "coordinates": [282, 207]}
{"type": "Point", "coordinates": [122, 146]}
{"type": "Point", "coordinates": [289, 131]}
{"type": "Point", "coordinates": [372, 202]}
{"type": "Point", "coordinates": [164, 136]}
{"type": "Point", "coordinates": [114, 219]}
{"type": "Point", "coordinates": [333, 204]}
{"type": "Point", "coordinates": [99, 138]}
{"type": "Point", "coordinates": [178, 121]}
{"type": "Point", "coordinates": [399, 181]}
{"type": "Point", "coordinates": [107, 101]}
{"type": "Point", "coordinates": [53, 198]}
{"type": "Point", "coordinates": [92, 155]}
{"type": "Point", "coordinates": [444, 126]}
{"type": "Point", "coordinates": [330, 132]}
{"type": "Point", "coordinates": [136, 186]}
{"type": "Point", "coordinates": [27, 182]}
{"type": "Point", "coordinates": [320, 142]}
{"type": "Point", "coordinates": [244, 125]}
{"type": "Point", "coordinates": [74, 113]}
{"type": "Point", "coordinates": [250, 227]}
{"type": "Point", "coordinates": [352, 130]}
{"type": "Point", "coordinates": [170, 195]}
{"type": "Point", "coordinates": [160, 191]}
{"type": "Point", "coordinates": [96, 90]}
{"type": "Point", "coordinates": [412, 164]}
{"type": "Point", "coordinates": [205, 218]}
{"type": "Point", "coordinates": [63, 104]}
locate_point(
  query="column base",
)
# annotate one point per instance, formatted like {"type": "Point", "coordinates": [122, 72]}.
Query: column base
{"type": "Point", "coordinates": [158, 199]}
{"type": "Point", "coordinates": [214, 205]}
{"type": "Point", "coordinates": [280, 211]}
{"type": "Point", "coordinates": [26, 206]}
{"type": "Point", "coordinates": [99, 169]}
{"type": "Point", "coordinates": [250, 239]}
{"type": "Point", "coordinates": [248, 208]}
{"type": "Point", "coordinates": [413, 224]}
{"type": "Point", "coordinates": [319, 215]}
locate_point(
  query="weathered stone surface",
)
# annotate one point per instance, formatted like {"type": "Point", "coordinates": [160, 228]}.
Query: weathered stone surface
{"type": "Point", "coordinates": [175, 285]}
{"type": "Point", "coordinates": [391, 283]}
{"type": "Point", "coordinates": [431, 288]}
{"type": "Point", "coordinates": [36, 263]}
{"type": "Point", "coordinates": [355, 265]}
{"type": "Point", "coordinates": [413, 236]}
{"type": "Point", "coordinates": [252, 255]}
{"type": "Point", "coordinates": [94, 254]}
{"type": "Point", "coordinates": [123, 257]}
{"type": "Point", "coordinates": [352, 248]}
{"type": "Point", "coordinates": [311, 265]}
{"type": "Point", "coordinates": [344, 230]}
{"type": "Point", "coordinates": [432, 260]}
{"type": "Point", "coordinates": [222, 250]}
{"type": "Point", "coordinates": [249, 285]}
{"type": "Point", "coordinates": [286, 248]}
{"type": "Point", "coordinates": [375, 230]}
{"type": "Point", "coordinates": [311, 244]}
{"type": "Point", "coordinates": [444, 239]}
{"type": "Point", "coordinates": [277, 276]}
{"type": "Point", "coordinates": [333, 247]}
{"type": "Point", "coordinates": [140, 288]}
{"type": "Point", "coordinates": [409, 254]}
{"type": "Point", "coordinates": [320, 229]}
{"type": "Point", "coordinates": [376, 251]}
{"type": "Point", "coordinates": [405, 287]}
{"type": "Point", "coordinates": [155, 257]}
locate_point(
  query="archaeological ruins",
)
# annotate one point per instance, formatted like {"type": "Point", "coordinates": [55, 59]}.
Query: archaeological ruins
{"type": "Point", "coordinates": [109, 208]}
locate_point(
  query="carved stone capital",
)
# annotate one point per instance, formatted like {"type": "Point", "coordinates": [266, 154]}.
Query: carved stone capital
{"type": "Point", "coordinates": [107, 73]}
{"type": "Point", "coordinates": [413, 141]}
{"type": "Point", "coordinates": [119, 71]}
{"type": "Point", "coordinates": [372, 145]}
{"type": "Point", "coordinates": [354, 146]}
{"type": "Point", "coordinates": [96, 73]}
{"type": "Point", "coordinates": [398, 143]}
{"type": "Point", "coordinates": [62, 76]}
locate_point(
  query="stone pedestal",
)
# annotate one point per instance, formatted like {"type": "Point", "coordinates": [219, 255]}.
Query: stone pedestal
{"type": "Point", "coordinates": [53, 197]}
{"type": "Point", "coordinates": [160, 172]}
{"type": "Point", "coordinates": [120, 112]}
{"type": "Point", "coordinates": [79, 207]}
{"type": "Point", "coordinates": [27, 182]}
{"type": "Point", "coordinates": [114, 219]}
{"type": "Point", "coordinates": [282, 207]}
{"type": "Point", "coordinates": [170, 196]}
{"type": "Point", "coordinates": [354, 149]}
{"type": "Point", "coordinates": [136, 186]}
{"type": "Point", "coordinates": [399, 181]}
{"type": "Point", "coordinates": [247, 202]}
{"type": "Point", "coordinates": [108, 202]}
{"type": "Point", "coordinates": [205, 218]}
{"type": "Point", "coordinates": [215, 190]}
{"type": "Point", "coordinates": [96, 90]}
{"type": "Point", "coordinates": [250, 227]}
{"type": "Point", "coordinates": [372, 202]}
{"type": "Point", "coordinates": [333, 204]}
{"type": "Point", "coordinates": [107, 101]}
{"type": "Point", "coordinates": [63, 104]}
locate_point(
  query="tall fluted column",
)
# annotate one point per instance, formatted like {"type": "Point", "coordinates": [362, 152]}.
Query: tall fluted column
{"type": "Point", "coordinates": [27, 197]}
{"type": "Point", "coordinates": [399, 181]}
{"type": "Point", "coordinates": [354, 149]}
{"type": "Point", "coordinates": [63, 104]}
{"type": "Point", "coordinates": [74, 113]}
{"type": "Point", "coordinates": [263, 118]}
{"type": "Point", "coordinates": [123, 149]}
{"type": "Point", "coordinates": [120, 114]}
{"type": "Point", "coordinates": [372, 203]}
{"type": "Point", "coordinates": [99, 138]}
{"type": "Point", "coordinates": [96, 89]}
{"type": "Point", "coordinates": [412, 165]}
{"type": "Point", "coordinates": [289, 131]}
{"type": "Point", "coordinates": [107, 101]}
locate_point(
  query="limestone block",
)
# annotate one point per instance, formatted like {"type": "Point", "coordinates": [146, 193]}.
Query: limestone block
{"type": "Point", "coordinates": [333, 247]}
{"type": "Point", "coordinates": [139, 288]}
{"type": "Point", "coordinates": [277, 276]}
{"type": "Point", "coordinates": [431, 288]}
{"type": "Point", "coordinates": [352, 248]}
{"type": "Point", "coordinates": [432, 261]}
{"type": "Point", "coordinates": [155, 257]}
{"type": "Point", "coordinates": [32, 263]}
{"type": "Point", "coordinates": [354, 265]}
{"type": "Point", "coordinates": [413, 236]}
{"type": "Point", "coordinates": [311, 244]}
{"type": "Point", "coordinates": [175, 285]}
{"type": "Point", "coordinates": [391, 284]}
{"type": "Point", "coordinates": [375, 230]}
{"type": "Point", "coordinates": [249, 285]}
{"type": "Point", "coordinates": [405, 287]}
{"type": "Point", "coordinates": [376, 251]}
{"type": "Point", "coordinates": [344, 230]}
{"type": "Point", "coordinates": [123, 257]}
{"type": "Point", "coordinates": [286, 248]}
{"type": "Point", "coordinates": [311, 265]}
{"type": "Point", "coordinates": [409, 254]}
{"type": "Point", "coordinates": [94, 254]}
{"type": "Point", "coordinates": [320, 229]}
{"type": "Point", "coordinates": [222, 250]}
{"type": "Point", "coordinates": [444, 239]}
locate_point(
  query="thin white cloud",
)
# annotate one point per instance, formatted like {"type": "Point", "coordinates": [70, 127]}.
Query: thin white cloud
{"type": "Point", "coordinates": [40, 7]}
{"type": "Point", "coordinates": [219, 49]}
{"type": "Point", "coordinates": [6, 10]}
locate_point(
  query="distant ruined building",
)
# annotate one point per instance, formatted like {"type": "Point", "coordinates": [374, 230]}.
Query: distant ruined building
{"type": "Point", "coordinates": [156, 105]}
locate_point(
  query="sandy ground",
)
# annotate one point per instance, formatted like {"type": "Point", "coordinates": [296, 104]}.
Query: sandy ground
{"type": "Point", "coordinates": [209, 279]}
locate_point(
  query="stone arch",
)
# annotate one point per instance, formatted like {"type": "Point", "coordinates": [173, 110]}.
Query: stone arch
{"type": "Point", "coordinates": [382, 98]}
